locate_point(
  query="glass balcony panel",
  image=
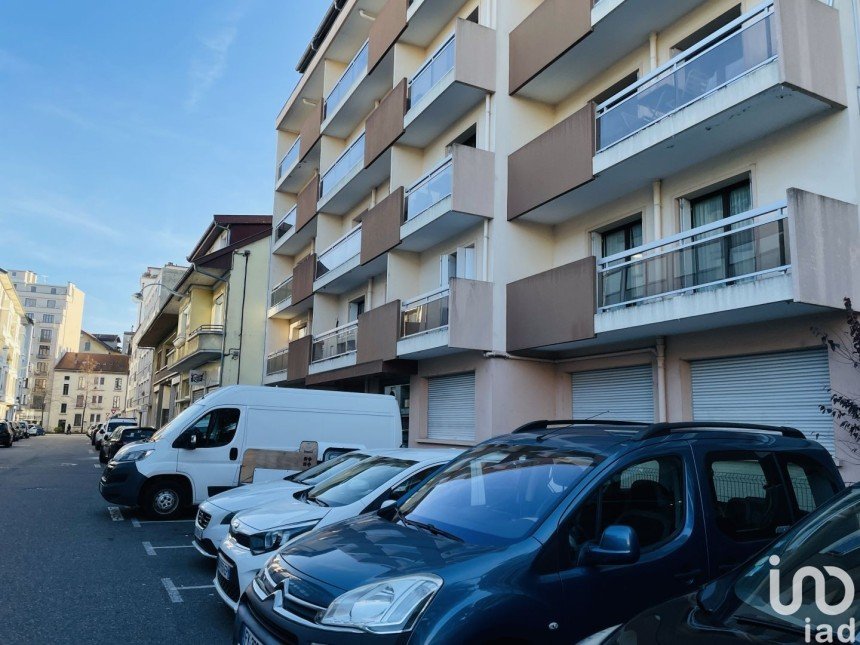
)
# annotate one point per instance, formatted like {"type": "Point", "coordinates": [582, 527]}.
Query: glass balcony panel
{"type": "Point", "coordinates": [425, 314]}
{"type": "Point", "coordinates": [289, 159]}
{"type": "Point", "coordinates": [277, 362]}
{"type": "Point", "coordinates": [287, 224]}
{"type": "Point", "coordinates": [430, 191]}
{"type": "Point", "coordinates": [354, 71]}
{"type": "Point", "coordinates": [282, 292]}
{"type": "Point", "coordinates": [337, 342]}
{"type": "Point", "coordinates": [340, 252]}
{"type": "Point", "coordinates": [432, 72]}
{"type": "Point", "coordinates": [350, 160]}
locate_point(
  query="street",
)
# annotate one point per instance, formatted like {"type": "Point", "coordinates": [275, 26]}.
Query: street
{"type": "Point", "coordinates": [76, 571]}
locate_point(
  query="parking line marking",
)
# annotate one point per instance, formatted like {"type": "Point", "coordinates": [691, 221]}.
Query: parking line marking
{"type": "Point", "coordinates": [65, 463]}
{"type": "Point", "coordinates": [163, 521]}
{"type": "Point", "coordinates": [171, 589]}
{"type": "Point", "coordinates": [135, 522]}
{"type": "Point", "coordinates": [150, 551]}
{"type": "Point", "coordinates": [97, 465]}
{"type": "Point", "coordinates": [179, 546]}
{"type": "Point", "coordinates": [115, 513]}
{"type": "Point", "coordinates": [196, 587]}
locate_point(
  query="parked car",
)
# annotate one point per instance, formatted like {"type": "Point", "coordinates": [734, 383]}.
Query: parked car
{"type": "Point", "coordinates": [200, 452]}
{"type": "Point", "coordinates": [40, 431]}
{"type": "Point", "coordinates": [552, 533]}
{"type": "Point", "coordinates": [108, 429]}
{"type": "Point", "coordinates": [7, 434]}
{"type": "Point", "coordinates": [120, 437]}
{"type": "Point", "coordinates": [213, 516]}
{"type": "Point", "coordinates": [21, 427]}
{"type": "Point", "coordinates": [737, 606]}
{"type": "Point", "coordinates": [33, 430]}
{"type": "Point", "coordinates": [257, 533]}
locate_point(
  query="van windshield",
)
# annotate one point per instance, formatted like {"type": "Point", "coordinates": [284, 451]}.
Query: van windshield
{"type": "Point", "coordinates": [182, 420]}
{"type": "Point", "coordinates": [496, 494]}
{"type": "Point", "coordinates": [326, 469]}
{"type": "Point", "coordinates": [356, 482]}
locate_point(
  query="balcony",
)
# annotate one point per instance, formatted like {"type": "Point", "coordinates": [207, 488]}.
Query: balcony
{"type": "Point", "coordinates": [335, 348]}
{"type": "Point", "coordinates": [277, 362]}
{"type": "Point", "coordinates": [563, 44]}
{"type": "Point", "coordinates": [203, 345]}
{"type": "Point", "coordinates": [448, 320]}
{"type": "Point", "coordinates": [452, 81]}
{"type": "Point", "coordinates": [289, 161]}
{"type": "Point", "coordinates": [281, 297]}
{"type": "Point", "coordinates": [307, 152]}
{"type": "Point", "coordinates": [339, 267]}
{"type": "Point", "coordinates": [285, 228]}
{"type": "Point", "coordinates": [348, 181]}
{"type": "Point", "coordinates": [771, 68]}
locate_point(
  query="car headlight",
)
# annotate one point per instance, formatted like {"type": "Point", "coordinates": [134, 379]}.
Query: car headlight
{"type": "Point", "coordinates": [266, 541]}
{"type": "Point", "coordinates": [135, 455]}
{"type": "Point", "coordinates": [386, 607]}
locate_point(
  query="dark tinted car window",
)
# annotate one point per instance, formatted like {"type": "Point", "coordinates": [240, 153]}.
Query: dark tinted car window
{"type": "Point", "coordinates": [809, 483]}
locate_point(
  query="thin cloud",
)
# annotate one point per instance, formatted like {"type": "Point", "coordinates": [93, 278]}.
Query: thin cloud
{"type": "Point", "coordinates": [62, 214]}
{"type": "Point", "coordinates": [210, 62]}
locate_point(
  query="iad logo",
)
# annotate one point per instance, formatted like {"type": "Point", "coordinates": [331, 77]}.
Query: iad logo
{"type": "Point", "coordinates": [823, 633]}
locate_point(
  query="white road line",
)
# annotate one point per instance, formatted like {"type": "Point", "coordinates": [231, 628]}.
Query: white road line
{"type": "Point", "coordinates": [115, 513]}
{"type": "Point", "coordinates": [196, 587]}
{"type": "Point", "coordinates": [150, 551]}
{"type": "Point", "coordinates": [97, 465]}
{"type": "Point", "coordinates": [171, 589]}
{"type": "Point", "coordinates": [135, 522]}
{"type": "Point", "coordinates": [65, 463]}
{"type": "Point", "coordinates": [163, 521]}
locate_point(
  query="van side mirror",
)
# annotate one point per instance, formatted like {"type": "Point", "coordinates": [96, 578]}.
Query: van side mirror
{"type": "Point", "coordinates": [618, 545]}
{"type": "Point", "coordinates": [191, 442]}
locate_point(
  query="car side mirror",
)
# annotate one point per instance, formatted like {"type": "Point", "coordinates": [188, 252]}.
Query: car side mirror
{"type": "Point", "coordinates": [618, 545]}
{"type": "Point", "coordinates": [191, 443]}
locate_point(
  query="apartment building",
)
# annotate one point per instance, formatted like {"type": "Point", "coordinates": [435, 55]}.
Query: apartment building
{"type": "Point", "coordinates": [57, 313]}
{"type": "Point", "coordinates": [156, 285]}
{"type": "Point", "coordinates": [569, 208]}
{"type": "Point", "coordinates": [210, 329]}
{"type": "Point", "coordinates": [99, 343]}
{"type": "Point", "coordinates": [87, 388]}
{"type": "Point", "coordinates": [15, 333]}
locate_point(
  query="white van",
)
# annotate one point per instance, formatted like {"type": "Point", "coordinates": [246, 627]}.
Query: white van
{"type": "Point", "coordinates": [200, 452]}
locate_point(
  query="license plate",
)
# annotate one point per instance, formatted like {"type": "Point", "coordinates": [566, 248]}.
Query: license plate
{"type": "Point", "coordinates": [225, 569]}
{"type": "Point", "coordinates": [198, 532]}
{"type": "Point", "coordinates": [248, 638]}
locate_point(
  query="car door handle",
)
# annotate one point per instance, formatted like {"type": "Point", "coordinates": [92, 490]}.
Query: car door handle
{"type": "Point", "coordinates": [234, 454]}
{"type": "Point", "coordinates": [689, 575]}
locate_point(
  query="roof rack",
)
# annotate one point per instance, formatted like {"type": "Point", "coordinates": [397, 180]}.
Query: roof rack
{"type": "Point", "coordinates": [664, 429]}
{"type": "Point", "coordinates": [546, 423]}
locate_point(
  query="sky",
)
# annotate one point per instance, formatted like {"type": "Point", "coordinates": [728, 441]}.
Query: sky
{"type": "Point", "coordinates": [124, 126]}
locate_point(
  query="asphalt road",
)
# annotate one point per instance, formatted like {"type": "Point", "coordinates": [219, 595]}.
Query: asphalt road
{"type": "Point", "coordinates": [72, 573]}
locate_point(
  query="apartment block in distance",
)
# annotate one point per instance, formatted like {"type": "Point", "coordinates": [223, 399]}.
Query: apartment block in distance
{"type": "Point", "coordinates": [210, 329]}
{"type": "Point", "coordinates": [509, 211]}
{"type": "Point", "coordinates": [57, 312]}
{"type": "Point", "coordinates": [87, 388]}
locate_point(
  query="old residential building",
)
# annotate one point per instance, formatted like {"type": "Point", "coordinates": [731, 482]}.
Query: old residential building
{"type": "Point", "coordinates": [538, 209]}
{"type": "Point", "coordinates": [57, 312]}
{"type": "Point", "coordinates": [210, 332]}
{"type": "Point", "coordinates": [15, 333]}
{"type": "Point", "coordinates": [99, 343]}
{"type": "Point", "coordinates": [87, 388]}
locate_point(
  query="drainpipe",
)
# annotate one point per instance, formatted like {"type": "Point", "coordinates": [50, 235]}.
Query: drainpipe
{"type": "Point", "coordinates": [652, 46]}
{"type": "Point", "coordinates": [855, 8]}
{"type": "Point", "coordinates": [661, 379]}
{"type": "Point", "coordinates": [657, 191]}
{"type": "Point", "coordinates": [245, 254]}
{"type": "Point", "coordinates": [369, 303]}
{"type": "Point", "coordinates": [485, 271]}
{"type": "Point", "coordinates": [488, 117]}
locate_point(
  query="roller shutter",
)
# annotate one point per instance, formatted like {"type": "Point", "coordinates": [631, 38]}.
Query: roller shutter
{"type": "Point", "coordinates": [624, 393]}
{"type": "Point", "coordinates": [451, 407]}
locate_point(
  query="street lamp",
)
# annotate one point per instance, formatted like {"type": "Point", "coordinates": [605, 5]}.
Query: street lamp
{"type": "Point", "coordinates": [138, 296]}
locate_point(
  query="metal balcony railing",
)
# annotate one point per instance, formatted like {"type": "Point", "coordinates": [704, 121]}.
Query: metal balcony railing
{"type": "Point", "coordinates": [340, 252]}
{"type": "Point", "coordinates": [289, 159]}
{"type": "Point", "coordinates": [352, 158]}
{"type": "Point", "coordinates": [276, 362]}
{"type": "Point", "coordinates": [432, 71]}
{"type": "Point", "coordinates": [729, 251]}
{"type": "Point", "coordinates": [287, 224]}
{"type": "Point", "coordinates": [356, 70]}
{"type": "Point", "coordinates": [430, 189]}
{"type": "Point", "coordinates": [337, 342]}
{"type": "Point", "coordinates": [282, 292]}
{"type": "Point", "coordinates": [729, 53]}
{"type": "Point", "coordinates": [425, 313]}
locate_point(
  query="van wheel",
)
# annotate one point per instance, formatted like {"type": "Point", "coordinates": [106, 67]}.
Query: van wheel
{"type": "Point", "coordinates": [162, 500]}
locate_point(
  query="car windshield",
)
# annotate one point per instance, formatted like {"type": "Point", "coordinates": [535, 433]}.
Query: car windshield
{"type": "Point", "coordinates": [496, 494]}
{"type": "Point", "coordinates": [326, 469]}
{"type": "Point", "coordinates": [181, 420]}
{"type": "Point", "coordinates": [829, 543]}
{"type": "Point", "coordinates": [356, 482]}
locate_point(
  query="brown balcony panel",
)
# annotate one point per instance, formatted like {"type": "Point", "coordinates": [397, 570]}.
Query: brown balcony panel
{"type": "Point", "coordinates": [310, 131]}
{"type": "Point", "coordinates": [553, 308]}
{"type": "Point", "coordinates": [306, 204]}
{"type": "Point", "coordinates": [470, 315]}
{"type": "Point", "coordinates": [378, 332]}
{"type": "Point", "coordinates": [303, 278]}
{"type": "Point", "coordinates": [386, 29]}
{"type": "Point", "coordinates": [473, 77]}
{"type": "Point", "coordinates": [553, 164]}
{"type": "Point", "coordinates": [299, 358]}
{"type": "Point", "coordinates": [385, 124]}
{"type": "Point", "coordinates": [380, 227]}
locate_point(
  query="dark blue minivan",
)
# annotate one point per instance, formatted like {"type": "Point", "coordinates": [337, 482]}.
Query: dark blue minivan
{"type": "Point", "coordinates": [549, 534]}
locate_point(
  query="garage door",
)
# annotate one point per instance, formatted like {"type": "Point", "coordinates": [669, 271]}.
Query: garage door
{"type": "Point", "coordinates": [624, 393]}
{"type": "Point", "coordinates": [779, 389]}
{"type": "Point", "coordinates": [451, 407]}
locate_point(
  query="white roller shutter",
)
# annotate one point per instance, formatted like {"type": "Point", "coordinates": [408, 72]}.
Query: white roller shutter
{"type": "Point", "coordinates": [624, 393]}
{"type": "Point", "coordinates": [777, 389]}
{"type": "Point", "coordinates": [451, 407]}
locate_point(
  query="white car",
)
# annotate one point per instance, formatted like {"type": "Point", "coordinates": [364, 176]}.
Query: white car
{"type": "Point", "coordinates": [214, 515]}
{"type": "Point", "coordinates": [256, 534]}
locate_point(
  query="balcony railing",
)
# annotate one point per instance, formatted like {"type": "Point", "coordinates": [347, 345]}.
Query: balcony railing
{"type": "Point", "coordinates": [282, 292]}
{"type": "Point", "coordinates": [731, 52]}
{"type": "Point", "coordinates": [276, 362]}
{"type": "Point", "coordinates": [287, 224]}
{"type": "Point", "coordinates": [337, 342]}
{"type": "Point", "coordinates": [729, 251]}
{"type": "Point", "coordinates": [430, 190]}
{"type": "Point", "coordinates": [352, 158]}
{"type": "Point", "coordinates": [289, 159]}
{"type": "Point", "coordinates": [354, 71]}
{"type": "Point", "coordinates": [340, 252]}
{"type": "Point", "coordinates": [425, 313]}
{"type": "Point", "coordinates": [432, 71]}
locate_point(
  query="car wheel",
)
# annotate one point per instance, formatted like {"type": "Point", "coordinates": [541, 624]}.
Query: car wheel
{"type": "Point", "coordinates": [103, 457]}
{"type": "Point", "coordinates": [162, 500]}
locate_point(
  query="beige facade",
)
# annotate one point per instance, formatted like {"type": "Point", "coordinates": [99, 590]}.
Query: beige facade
{"type": "Point", "coordinates": [504, 211]}
{"type": "Point", "coordinates": [16, 332]}
{"type": "Point", "coordinates": [87, 388]}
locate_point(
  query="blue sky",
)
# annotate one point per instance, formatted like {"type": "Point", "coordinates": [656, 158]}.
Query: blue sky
{"type": "Point", "coordinates": [124, 126]}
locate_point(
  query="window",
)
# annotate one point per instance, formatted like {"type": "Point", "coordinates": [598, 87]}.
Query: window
{"type": "Point", "coordinates": [216, 428]}
{"type": "Point", "coordinates": [299, 331]}
{"type": "Point", "coordinates": [41, 383]}
{"type": "Point", "coordinates": [218, 311]}
{"type": "Point", "coordinates": [63, 408]}
{"type": "Point", "coordinates": [459, 264]}
{"type": "Point", "coordinates": [622, 286]}
{"type": "Point", "coordinates": [52, 304]}
{"type": "Point", "coordinates": [117, 384]}
{"type": "Point", "coordinates": [65, 389]}
{"type": "Point", "coordinates": [47, 318]}
{"type": "Point", "coordinates": [54, 290]}
{"type": "Point", "coordinates": [41, 368]}
{"type": "Point", "coordinates": [78, 420]}
{"type": "Point", "coordinates": [29, 302]}
{"type": "Point", "coordinates": [32, 289]}
{"type": "Point", "coordinates": [31, 316]}
{"type": "Point", "coordinates": [88, 346]}
{"type": "Point", "coordinates": [82, 382]}
{"type": "Point", "coordinates": [115, 402]}
{"type": "Point", "coordinates": [810, 485]}
{"type": "Point", "coordinates": [44, 351]}
{"type": "Point", "coordinates": [648, 497]}
{"type": "Point", "coordinates": [748, 495]}
{"type": "Point", "coordinates": [356, 308]}
{"type": "Point", "coordinates": [79, 401]}
{"type": "Point", "coordinates": [45, 335]}
{"type": "Point", "coordinates": [703, 32]}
